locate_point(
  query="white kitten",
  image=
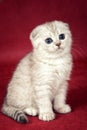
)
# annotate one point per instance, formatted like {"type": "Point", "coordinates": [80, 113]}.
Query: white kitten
{"type": "Point", "coordinates": [40, 80]}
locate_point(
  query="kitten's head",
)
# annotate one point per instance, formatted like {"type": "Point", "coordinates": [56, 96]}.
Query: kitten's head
{"type": "Point", "coordinates": [54, 37]}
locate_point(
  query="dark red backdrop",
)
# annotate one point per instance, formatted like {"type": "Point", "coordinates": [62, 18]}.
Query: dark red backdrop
{"type": "Point", "coordinates": [17, 18]}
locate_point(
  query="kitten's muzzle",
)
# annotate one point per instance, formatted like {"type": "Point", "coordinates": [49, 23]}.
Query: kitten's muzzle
{"type": "Point", "coordinates": [58, 44]}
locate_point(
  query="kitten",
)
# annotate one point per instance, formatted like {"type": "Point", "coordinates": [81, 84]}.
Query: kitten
{"type": "Point", "coordinates": [40, 80]}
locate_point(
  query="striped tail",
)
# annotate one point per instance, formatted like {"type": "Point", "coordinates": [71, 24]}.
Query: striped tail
{"type": "Point", "coordinates": [20, 117]}
{"type": "Point", "coordinates": [14, 113]}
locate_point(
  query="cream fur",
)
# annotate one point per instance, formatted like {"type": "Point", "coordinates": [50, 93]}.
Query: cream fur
{"type": "Point", "coordinates": [40, 81]}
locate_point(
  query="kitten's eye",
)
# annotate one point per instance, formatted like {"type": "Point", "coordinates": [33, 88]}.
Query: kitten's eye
{"type": "Point", "coordinates": [48, 40]}
{"type": "Point", "coordinates": [62, 36]}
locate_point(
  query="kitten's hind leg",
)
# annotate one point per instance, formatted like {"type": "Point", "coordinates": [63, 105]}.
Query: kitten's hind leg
{"type": "Point", "coordinates": [15, 113]}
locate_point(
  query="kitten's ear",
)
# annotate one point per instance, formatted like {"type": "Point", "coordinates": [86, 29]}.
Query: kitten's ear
{"type": "Point", "coordinates": [67, 25]}
{"type": "Point", "coordinates": [33, 34]}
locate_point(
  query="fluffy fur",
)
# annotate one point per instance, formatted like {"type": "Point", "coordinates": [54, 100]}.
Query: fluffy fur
{"type": "Point", "coordinates": [39, 83]}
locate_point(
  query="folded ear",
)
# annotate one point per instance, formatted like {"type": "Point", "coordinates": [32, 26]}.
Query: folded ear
{"type": "Point", "coordinates": [67, 25]}
{"type": "Point", "coordinates": [34, 36]}
{"type": "Point", "coordinates": [34, 33]}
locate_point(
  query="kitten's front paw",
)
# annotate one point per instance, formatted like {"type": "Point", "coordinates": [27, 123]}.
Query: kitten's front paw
{"type": "Point", "coordinates": [31, 111]}
{"type": "Point", "coordinates": [47, 116]}
{"type": "Point", "coordinates": [64, 109]}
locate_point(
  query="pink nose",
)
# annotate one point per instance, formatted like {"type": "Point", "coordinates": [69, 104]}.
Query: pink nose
{"type": "Point", "coordinates": [58, 44]}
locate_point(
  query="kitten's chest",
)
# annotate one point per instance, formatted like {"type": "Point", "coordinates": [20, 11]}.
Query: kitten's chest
{"type": "Point", "coordinates": [51, 71]}
{"type": "Point", "coordinates": [61, 70]}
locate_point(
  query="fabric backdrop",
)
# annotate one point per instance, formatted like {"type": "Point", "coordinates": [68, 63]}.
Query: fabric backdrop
{"type": "Point", "coordinates": [17, 19]}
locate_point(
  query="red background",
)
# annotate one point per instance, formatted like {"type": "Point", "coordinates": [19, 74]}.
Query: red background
{"type": "Point", "coordinates": [17, 19]}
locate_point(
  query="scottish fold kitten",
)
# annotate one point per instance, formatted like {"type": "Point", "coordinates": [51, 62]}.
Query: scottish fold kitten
{"type": "Point", "coordinates": [39, 84]}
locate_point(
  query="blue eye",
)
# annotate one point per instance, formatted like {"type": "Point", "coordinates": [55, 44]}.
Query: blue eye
{"type": "Point", "coordinates": [48, 40]}
{"type": "Point", "coordinates": [62, 36]}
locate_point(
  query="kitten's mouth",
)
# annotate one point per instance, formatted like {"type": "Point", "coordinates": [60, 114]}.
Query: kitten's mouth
{"type": "Point", "coordinates": [60, 49]}
{"type": "Point", "coordinates": [58, 45]}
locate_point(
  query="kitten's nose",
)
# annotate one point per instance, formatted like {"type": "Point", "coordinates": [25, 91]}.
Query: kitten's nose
{"type": "Point", "coordinates": [58, 44]}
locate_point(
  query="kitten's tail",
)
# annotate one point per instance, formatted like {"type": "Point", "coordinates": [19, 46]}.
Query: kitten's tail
{"type": "Point", "coordinates": [14, 113]}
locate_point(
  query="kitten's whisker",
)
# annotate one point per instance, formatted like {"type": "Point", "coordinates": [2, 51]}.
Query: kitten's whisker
{"type": "Point", "coordinates": [77, 51]}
